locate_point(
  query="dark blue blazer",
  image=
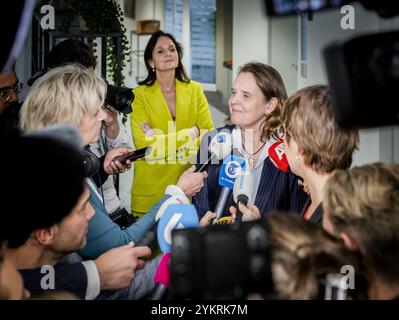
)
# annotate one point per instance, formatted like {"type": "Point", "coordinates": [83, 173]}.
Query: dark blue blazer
{"type": "Point", "coordinates": [277, 190]}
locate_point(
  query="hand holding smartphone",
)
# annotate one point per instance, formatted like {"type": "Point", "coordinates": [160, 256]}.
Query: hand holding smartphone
{"type": "Point", "coordinates": [134, 155]}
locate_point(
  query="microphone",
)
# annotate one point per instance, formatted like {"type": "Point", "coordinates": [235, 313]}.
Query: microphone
{"type": "Point", "coordinates": [176, 216]}
{"type": "Point", "coordinates": [278, 157]}
{"type": "Point", "coordinates": [231, 168]}
{"type": "Point", "coordinates": [161, 279]}
{"type": "Point", "coordinates": [243, 191]}
{"type": "Point", "coordinates": [167, 203]}
{"type": "Point", "coordinates": [219, 147]}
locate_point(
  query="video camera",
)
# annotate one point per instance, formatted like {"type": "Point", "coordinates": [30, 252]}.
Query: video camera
{"type": "Point", "coordinates": [363, 72]}
{"type": "Point", "coordinates": [220, 261]}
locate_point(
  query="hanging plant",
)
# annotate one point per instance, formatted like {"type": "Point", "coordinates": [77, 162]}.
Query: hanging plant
{"type": "Point", "coordinates": [106, 17]}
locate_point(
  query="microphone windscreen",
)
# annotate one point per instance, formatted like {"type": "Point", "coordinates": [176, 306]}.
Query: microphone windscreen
{"type": "Point", "coordinates": [162, 275]}
{"type": "Point", "coordinates": [231, 168]}
{"type": "Point", "coordinates": [176, 216]}
{"type": "Point", "coordinates": [244, 185]}
{"type": "Point", "coordinates": [64, 133]}
{"type": "Point", "coordinates": [221, 145]}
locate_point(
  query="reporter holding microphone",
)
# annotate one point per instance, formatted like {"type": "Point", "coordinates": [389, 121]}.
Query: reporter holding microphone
{"type": "Point", "coordinates": [255, 104]}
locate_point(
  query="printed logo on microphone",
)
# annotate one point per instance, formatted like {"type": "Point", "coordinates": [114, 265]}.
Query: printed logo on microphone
{"type": "Point", "coordinates": [232, 167]}
{"type": "Point", "coordinates": [176, 216]}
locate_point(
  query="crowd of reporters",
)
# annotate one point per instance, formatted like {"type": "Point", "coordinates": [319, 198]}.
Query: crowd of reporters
{"type": "Point", "coordinates": [321, 214]}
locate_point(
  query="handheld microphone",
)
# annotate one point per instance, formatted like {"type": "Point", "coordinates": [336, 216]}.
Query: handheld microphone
{"type": "Point", "coordinates": [161, 279]}
{"type": "Point", "coordinates": [243, 191]}
{"type": "Point", "coordinates": [231, 168]}
{"type": "Point", "coordinates": [219, 147]}
{"type": "Point", "coordinates": [167, 203]}
{"type": "Point", "coordinates": [278, 157]}
{"type": "Point", "coordinates": [176, 216]}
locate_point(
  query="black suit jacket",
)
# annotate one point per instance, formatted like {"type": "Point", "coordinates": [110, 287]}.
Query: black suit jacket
{"type": "Point", "coordinates": [277, 190]}
{"type": "Point", "coordinates": [71, 277]}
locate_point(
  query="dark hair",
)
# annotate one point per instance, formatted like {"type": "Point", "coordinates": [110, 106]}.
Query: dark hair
{"type": "Point", "coordinates": [42, 180]}
{"type": "Point", "coordinates": [71, 51]}
{"type": "Point", "coordinates": [151, 77]}
{"type": "Point", "coordinates": [271, 84]}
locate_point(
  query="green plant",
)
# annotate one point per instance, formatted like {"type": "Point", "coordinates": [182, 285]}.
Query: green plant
{"type": "Point", "coordinates": [105, 17]}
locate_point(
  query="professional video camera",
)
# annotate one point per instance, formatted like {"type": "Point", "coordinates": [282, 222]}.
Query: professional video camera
{"type": "Point", "coordinates": [221, 261]}
{"type": "Point", "coordinates": [236, 261]}
{"type": "Point", "coordinates": [363, 72]}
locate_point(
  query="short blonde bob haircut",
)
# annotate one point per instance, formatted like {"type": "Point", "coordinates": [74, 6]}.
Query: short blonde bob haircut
{"type": "Point", "coordinates": [63, 94]}
{"type": "Point", "coordinates": [308, 118]}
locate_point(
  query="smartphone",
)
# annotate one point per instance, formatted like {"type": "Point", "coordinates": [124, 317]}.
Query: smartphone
{"type": "Point", "coordinates": [134, 155]}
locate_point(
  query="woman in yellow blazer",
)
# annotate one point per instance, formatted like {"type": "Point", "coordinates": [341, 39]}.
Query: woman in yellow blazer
{"type": "Point", "coordinates": [170, 112]}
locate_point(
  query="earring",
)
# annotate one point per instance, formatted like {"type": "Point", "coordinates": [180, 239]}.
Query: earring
{"type": "Point", "coordinates": [297, 157]}
{"type": "Point", "coordinates": [153, 69]}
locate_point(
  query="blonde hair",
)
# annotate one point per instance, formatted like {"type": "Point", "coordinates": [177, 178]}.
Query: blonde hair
{"type": "Point", "coordinates": [271, 84]}
{"type": "Point", "coordinates": [302, 257]}
{"type": "Point", "coordinates": [63, 94]}
{"type": "Point", "coordinates": [363, 202]}
{"type": "Point", "coordinates": [308, 118]}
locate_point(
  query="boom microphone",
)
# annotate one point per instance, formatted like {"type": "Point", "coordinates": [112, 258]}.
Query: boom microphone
{"type": "Point", "coordinates": [243, 191]}
{"type": "Point", "coordinates": [231, 168]}
{"type": "Point", "coordinates": [219, 147]}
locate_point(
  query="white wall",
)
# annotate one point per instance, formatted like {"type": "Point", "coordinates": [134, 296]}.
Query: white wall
{"type": "Point", "coordinates": [284, 49]}
{"type": "Point", "coordinates": [250, 33]}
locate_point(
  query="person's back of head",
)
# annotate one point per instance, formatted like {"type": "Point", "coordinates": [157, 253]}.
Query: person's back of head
{"type": "Point", "coordinates": [308, 118]}
{"type": "Point", "coordinates": [303, 255]}
{"type": "Point", "coordinates": [71, 51]}
{"type": "Point", "coordinates": [42, 180]}
{"type": "Point", "coordinates": [362, 208]}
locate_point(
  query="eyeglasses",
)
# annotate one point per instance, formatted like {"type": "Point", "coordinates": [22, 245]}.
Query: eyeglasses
{"type": "Point", "coordinates": [6, 92]}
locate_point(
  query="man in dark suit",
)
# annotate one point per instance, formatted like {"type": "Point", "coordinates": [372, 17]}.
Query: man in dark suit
{"type": "Point", "coordinates": [47, 219]}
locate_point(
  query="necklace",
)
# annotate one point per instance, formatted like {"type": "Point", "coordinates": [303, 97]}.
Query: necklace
{"type": "Point", "coordinates": [251, 156]}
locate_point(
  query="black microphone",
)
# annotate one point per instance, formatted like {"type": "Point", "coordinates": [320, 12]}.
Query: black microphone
{"type": "Point", "coordinates": [243, 192]}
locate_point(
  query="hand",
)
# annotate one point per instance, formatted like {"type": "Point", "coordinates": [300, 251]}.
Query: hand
{"type": "Point", "coordinates": [111, 122]}
{"type": "Point", "coordinates": [112, 166]}
{"type": "Point", "coordinates": [207, 218]}
{"type": "Point", "coordinates": [249, 212]}
{"type": "Point", "coordinates": [147, 129]}
{"type": "Point", "coordinates": [117, 266]}
{"type": "Point", "coordinates": [191, 182]}
{"type": "Point", "coordinates": [194, 133]}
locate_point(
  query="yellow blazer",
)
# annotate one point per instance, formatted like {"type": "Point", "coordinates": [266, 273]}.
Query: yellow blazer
{"type": "Point", "coordinates": [172, 146]}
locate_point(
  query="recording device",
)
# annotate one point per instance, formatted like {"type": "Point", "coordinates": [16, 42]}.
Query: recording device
{"type": "Point", "coordinates": [161, 279]}
{"type": "Point", "coordinates": [219, 148]}
{"type": "Point", "coordinates": [134, 155]}
{"type": "Point", "coordinates": [221, 262]}
{"type": "Point", "coordinates": [231, 168]}
{"type": "Point", "coordinates": [289, 7]}
{"type": "Point", "coordinates": [336, 287]}
{"type": "Point", "coordinates": [176, 216]}
{"type": "Point", "coordinates": [384, 8]}
{"type": "Point", "coordinates": [363, 74]}
{"type": "Point", "coordinates": [278, 157]}
{"type": "Point", "coordinates": [243, 191]}
{"type": "Point", "coordinates": [120, 98]}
